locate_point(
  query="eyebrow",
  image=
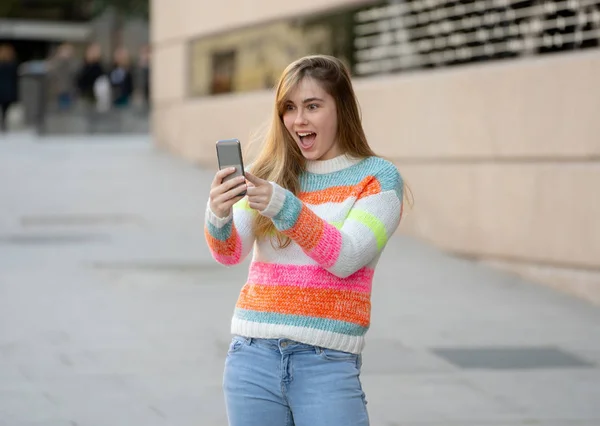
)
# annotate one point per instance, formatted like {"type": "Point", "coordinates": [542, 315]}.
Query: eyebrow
{"type": "Point", "coordinates": [307, 100]}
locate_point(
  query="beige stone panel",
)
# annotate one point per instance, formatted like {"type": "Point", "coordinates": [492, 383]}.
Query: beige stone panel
{"type": "Point", "coordinates": [546, 106]}
{"type": "Point", "coordinates": [441, 115]}
{"type": "Point", "coordinates": [427, 115]}
{"type": "Point", "coordinates": [580, 283]}
{"type": "Point", "coordinates": [169, 81]}
{"type": "Point", "coordinates": [537, 108]}
{"type": "Point", "coordinates": [169, 133]}
{"type": "Point", "coordinates": [224, 117]}
{"type": "Point", "coordinates": [167, 16]}
{"type": "Point", "coordinates": [547, 213]}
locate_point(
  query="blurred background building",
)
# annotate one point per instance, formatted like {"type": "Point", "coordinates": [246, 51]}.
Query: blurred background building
{"type": "Point", "coordinates": [36, 27]}
{"type": "Point", "coordinates": [40, 33]}
{"type": "Point", "coordinates": [490, 109]}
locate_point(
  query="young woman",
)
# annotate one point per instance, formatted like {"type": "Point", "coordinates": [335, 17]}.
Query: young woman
{"type": "Point", "coordinates": [320, 207]}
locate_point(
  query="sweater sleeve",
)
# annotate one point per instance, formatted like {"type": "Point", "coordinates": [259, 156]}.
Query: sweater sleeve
{"type": "Point", "coordinates": [343, 248]}
{"type": "Point", "coordinates": [230, 239]}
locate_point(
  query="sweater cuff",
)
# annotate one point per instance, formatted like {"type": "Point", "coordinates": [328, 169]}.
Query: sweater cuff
{"type": "Point", "coordinates": [276, 203]}
{"type": "Point", "coordinates": [216, 221]}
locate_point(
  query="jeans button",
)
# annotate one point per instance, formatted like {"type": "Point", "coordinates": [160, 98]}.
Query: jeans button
{"type": "Point", "coordinates": [284, 344]}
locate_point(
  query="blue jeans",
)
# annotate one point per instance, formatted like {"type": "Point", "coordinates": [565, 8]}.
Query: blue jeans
{"type": "Point", "coordinates": [279, 382]}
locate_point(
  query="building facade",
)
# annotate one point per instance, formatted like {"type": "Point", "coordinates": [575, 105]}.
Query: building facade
{"type": "Point", "coordinates": [489, 108]}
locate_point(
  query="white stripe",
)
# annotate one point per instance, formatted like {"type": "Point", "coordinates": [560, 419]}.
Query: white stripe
{"type": "Point", "coordinates": [333, 212]}
{"type": "Point", "coordinates": [380, 206]}
{"type": "Point", "coordinates": [291, 255]}
{"type": "Point", "coordinates": [309, 336]}
{"type": "Point", "coordinates": [215, 220]}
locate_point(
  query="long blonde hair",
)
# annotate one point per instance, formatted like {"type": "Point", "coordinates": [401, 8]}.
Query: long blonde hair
{"type": "Point", "coordinates": [281, 160]}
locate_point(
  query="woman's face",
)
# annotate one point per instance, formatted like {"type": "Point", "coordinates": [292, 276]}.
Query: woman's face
{"type": "Point", "coordinates": [310, 116]}
{"type": "Point", "coordinates": [121, 57]}
{"type": "Point", "coordinates": [93, 53]}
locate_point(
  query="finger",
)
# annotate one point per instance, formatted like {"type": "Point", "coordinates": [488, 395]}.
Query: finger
{"type": "Point", "coordinates": [260, 190]}
{"type": "Point", "coordinates": [257, 198]}
{"type": "Point", "coordinates": [255, 180]}
{"type": "Point", "coordinates": [232, 193]}
{"type": "Point", "coordinates": [228, 204]}
{"type": "Point", "coordinates": [253, 191]}
{"type": "Point", "coordinates": [257, 206]}
{"type": "Point", "coordinates": [226, 186]}
{"type": "Point", "coordinates": [221, 174]}
{"type": "Point", "coordinates": [222, 193]}
{"type": "Point", "coordinates": [232, 183]}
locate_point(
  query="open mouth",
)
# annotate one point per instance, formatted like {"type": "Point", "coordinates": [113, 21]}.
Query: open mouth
{"type": "Point", "coordinates": [307, 139]}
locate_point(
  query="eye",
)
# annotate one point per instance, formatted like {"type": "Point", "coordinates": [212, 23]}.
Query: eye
{"type": "Point", "coordinates": [312, 106]}
{"type": "Point", "coordinates": [289, 107]}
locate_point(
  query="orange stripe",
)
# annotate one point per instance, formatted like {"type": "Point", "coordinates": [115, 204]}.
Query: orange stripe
{"type": "Point", "coordinates": [337, 194]}
{"type": "Point", "coordinates": [226, 247]}
{"type": "Point", "coordinates": [354, 307]}
{"type": "Point", "coordinates": [308, 229]}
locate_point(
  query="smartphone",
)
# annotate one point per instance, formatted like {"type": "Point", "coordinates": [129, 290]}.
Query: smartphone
{"type": "Point", "coordinates": [229, 154]}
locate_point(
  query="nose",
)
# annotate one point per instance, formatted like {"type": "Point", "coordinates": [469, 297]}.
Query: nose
{"type": "Point", "coordinates": [300, 118]}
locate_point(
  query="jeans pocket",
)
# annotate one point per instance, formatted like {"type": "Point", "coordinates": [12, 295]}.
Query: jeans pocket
{"type": "Point", "coordinates": [237, 342]}
{"type": "Point", "coordinates": [333, 355]}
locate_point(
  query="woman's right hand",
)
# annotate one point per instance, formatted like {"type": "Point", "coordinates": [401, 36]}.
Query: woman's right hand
{"type": "Point", "coordinates": [223, 195]}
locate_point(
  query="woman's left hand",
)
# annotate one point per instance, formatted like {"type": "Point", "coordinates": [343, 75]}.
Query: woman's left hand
{"type": "Point", "coordinates": [259, 192]}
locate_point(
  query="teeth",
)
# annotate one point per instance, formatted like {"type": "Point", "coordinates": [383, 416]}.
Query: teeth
{"type": "Point", "coordinates": [304, 134]}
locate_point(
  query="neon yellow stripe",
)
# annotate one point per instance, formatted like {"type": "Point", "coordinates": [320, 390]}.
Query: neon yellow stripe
{"type": "Point", "coordinates": [242, 205]}
{"type": "Point", "coordinates": [373, 223]}
{"type": "Point", "coordinates": [338, 225]}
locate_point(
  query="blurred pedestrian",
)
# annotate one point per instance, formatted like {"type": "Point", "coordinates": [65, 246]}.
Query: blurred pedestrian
{"type": "Point", "coordinates": [91, 70]}
{"type": "Point", "coordinates": [92, 83]}
{"type": "Point", "coordinates": [320, 208]}
{"type": "Point", "coordinates": [143, 74]}
{"type": "Point", "coordinates": [9, 83]}
{"type": "Point", "coordinates": [121, 80]}
{"type": "Point", "coordinates": [63, 73]}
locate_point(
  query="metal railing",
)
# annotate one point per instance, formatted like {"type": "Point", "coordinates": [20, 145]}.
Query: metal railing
{"type": "Point", "coordinates": [404, 35]}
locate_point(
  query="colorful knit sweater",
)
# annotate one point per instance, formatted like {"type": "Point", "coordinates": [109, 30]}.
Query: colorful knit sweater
{"type": "Point", "coordinates": [317, 290]}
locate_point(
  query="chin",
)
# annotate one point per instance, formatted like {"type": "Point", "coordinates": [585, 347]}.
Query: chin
{"type": "Point", "coordinates": [314, 156]}
{"type": "Point", "coordinates": [309, 155]}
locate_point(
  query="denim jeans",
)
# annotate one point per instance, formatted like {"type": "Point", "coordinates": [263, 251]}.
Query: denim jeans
{"type": "Point", "coordinates": [279, 382]}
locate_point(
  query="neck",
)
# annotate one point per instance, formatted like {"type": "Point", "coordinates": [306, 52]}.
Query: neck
{"type": "Point", "coordinates": [333, 165]}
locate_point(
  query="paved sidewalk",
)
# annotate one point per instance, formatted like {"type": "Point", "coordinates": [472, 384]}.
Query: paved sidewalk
{"type": "Point", "coordinates": [112, 312]}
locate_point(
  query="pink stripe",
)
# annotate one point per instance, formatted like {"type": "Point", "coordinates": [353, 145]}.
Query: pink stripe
{"type": "Point", "coordinates": [230, 259]}
{"type": "Point", "coordinates": [328, 248]}
{"type": "Point", "coordinates": [309, 276]}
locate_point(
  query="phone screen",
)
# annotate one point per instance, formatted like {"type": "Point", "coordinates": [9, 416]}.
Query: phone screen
{"type": "Point", "coordinates": [229, 154]}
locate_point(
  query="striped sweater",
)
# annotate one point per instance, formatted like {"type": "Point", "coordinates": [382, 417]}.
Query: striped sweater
{"type": "Point", "coordinates": [317, 290]}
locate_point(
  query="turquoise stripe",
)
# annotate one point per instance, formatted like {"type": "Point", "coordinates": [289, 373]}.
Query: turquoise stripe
{"type": "Point", "coordinates": [400, 190]}
{"type": "Point", "coordinates": [373, 223]}
{"type": "Point", "coordinates": [222, 233]}
{"type": "Point", "coordinates": [289, 213]}
{"type": "Point", "coordinates": [389, 178]}
{"type": "Point", "coordinates": [384, 171]}
{"type": "Point", "coordinates": [335, 326]}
